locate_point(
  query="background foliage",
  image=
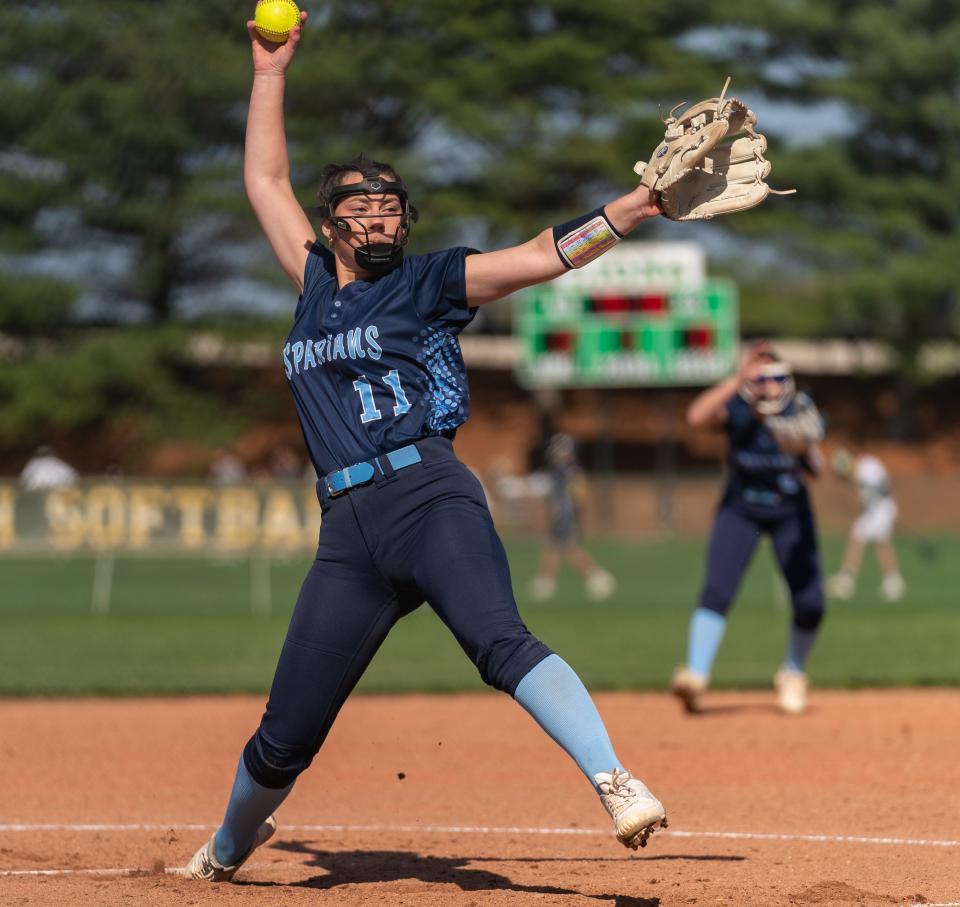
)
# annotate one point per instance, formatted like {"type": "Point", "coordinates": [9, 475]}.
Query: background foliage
{"type": "Point", "coordinates": [121, 200]}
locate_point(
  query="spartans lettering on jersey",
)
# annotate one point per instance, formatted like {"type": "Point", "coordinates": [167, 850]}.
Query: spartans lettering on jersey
{"type": "Point", "coordinates": [358, 343]}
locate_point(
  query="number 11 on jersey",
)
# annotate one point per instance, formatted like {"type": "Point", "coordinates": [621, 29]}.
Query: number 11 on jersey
{"type": "Point", "coordinates": [370, 413]}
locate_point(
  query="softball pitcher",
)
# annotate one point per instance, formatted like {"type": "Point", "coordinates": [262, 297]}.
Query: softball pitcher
{"type": "Point", "coordinates": [772, 434]}
{"type": "Point", "coordinates": [378, 380]}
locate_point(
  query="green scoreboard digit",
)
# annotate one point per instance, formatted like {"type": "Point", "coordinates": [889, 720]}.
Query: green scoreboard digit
{"type": "Point", "coordinates": [610, 330]}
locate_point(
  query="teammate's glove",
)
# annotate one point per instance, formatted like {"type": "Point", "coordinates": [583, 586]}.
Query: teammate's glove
{"type": "Point", "coordinates": [710, 161]}
{"type": "Point", "coordinates": [796, 432]}
{"type": "Point", "coordinates": [842, 462]}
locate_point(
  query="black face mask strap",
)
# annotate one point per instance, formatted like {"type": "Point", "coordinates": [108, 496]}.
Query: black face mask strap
{"type": "Point", "coordinates": [367, 186]}
{"type": "Point", "coordinates": [377, 258]}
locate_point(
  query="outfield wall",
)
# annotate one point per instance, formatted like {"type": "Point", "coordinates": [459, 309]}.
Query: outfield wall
{"type": "Point", "coordinates": [147, 516]}
{"type": "Point", "coordinates": [280, 518]}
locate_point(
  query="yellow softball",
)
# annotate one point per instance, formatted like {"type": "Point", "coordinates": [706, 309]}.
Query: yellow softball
{"type": "Point", "coordinates": [275, 18]}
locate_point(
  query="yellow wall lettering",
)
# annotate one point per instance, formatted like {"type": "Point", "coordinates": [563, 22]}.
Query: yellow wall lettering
{"type": "Point", "coordinates": [238, 512]}
{"type": "Point", "coordinates": [280, 524]}
{"type": "Point", "coordinates": [8, 532]}
{"type": "Point", "coordinates": [146, 513]}
{"type": "Point", "coordinates": [64, 511]}
{"type": "Point", "coordinates": [311, 518]}
{"type": "Point", "coordinates": [191, 503]}
{"type": "Point", "coordinates": [106, 516]}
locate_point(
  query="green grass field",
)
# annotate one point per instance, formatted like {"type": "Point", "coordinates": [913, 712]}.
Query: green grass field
{"type": "Point", "coordinates": [189, 626]}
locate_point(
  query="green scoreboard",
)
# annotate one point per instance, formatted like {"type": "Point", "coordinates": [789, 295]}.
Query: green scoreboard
{"type": "Point", "coordinates": [629, 323]}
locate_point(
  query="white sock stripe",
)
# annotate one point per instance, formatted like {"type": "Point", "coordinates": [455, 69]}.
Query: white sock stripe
{"type": "Point", "coordinates": [493, 830]}
{"type": "Point", "coordinates": [830, 839]}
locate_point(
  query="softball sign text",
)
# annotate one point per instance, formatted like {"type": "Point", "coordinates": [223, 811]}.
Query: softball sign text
{"type": "Point", "coordinates": [147, 516]}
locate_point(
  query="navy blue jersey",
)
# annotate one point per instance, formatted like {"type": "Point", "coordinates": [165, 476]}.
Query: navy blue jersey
{"type": "Point", "coordinates": [563, 502]}
{"type": "Point", "coordinates": [759, 472]}
{"type": "Point", "coordinates": [565, 481]}
{"type": "Point", "coordinates": [377, 364]}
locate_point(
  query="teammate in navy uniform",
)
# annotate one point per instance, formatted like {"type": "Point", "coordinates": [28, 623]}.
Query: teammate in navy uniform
{"type": "Point", "coordinates": [379, 385]}
{"type": "Point", "coordinates": [772, 434]}
{"type": "Point", "coordinates": [566, 491]}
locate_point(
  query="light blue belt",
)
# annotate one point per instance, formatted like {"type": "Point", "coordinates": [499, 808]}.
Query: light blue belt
{"type": "Point", "coordinates": [349, 477]}
{"type": "Point", "coordinates": [765, 498]}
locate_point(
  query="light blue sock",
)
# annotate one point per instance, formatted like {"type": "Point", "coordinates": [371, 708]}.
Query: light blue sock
{"type": "Point", "coordinates": [798, 648]}
{"type": "Point", "coordinates": [559, 702]}
{"type": "Point", "coordinates": [250, 804]}
{"type": "Point", "coordinates": [706, 633]}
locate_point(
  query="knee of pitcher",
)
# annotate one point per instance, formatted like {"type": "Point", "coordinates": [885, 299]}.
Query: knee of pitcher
{"type": "Point", "coordinates": [273, 764]}
{"type": "Point", "coordinates": [808, 615]}
{"type": "Point", "coordinates": [506, 662]}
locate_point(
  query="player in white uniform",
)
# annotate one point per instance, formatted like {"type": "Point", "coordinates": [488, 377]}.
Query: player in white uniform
{"type": "Point", "coordinates": [875, 524]}
{"type": "Point", "coordinates": [45, 470]}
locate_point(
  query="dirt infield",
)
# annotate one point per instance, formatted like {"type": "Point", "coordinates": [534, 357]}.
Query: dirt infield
{"type": "Point", "coordinates": [461, 800]}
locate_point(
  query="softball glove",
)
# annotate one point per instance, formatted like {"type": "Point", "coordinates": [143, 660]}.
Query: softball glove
{"type": "Point", "coordinates": [797, 431]}
{"type": "Point", "coordinates": [710, 161]}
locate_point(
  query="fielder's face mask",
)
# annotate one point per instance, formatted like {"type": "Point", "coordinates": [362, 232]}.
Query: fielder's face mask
{"type": "Point", "coordinates": [772, 390]}
{"type": "Point", "coordinates": [375, 257]}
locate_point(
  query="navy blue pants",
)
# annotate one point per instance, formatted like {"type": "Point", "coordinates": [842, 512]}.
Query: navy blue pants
{"type": "Point", "coordinates": [423, 533]}
{"type": "Point", "coordinates": [736, 531]}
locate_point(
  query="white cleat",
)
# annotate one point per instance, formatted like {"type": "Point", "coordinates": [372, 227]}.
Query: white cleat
{"type": "Point", "coordinates": [204, 866]}
{"type": "Point", "coordinates": [636, 813]}
{"type": "Point", "coordinates": [893, 587]}
{"type": "Point", "coordinates": [841, 586]}
{"type": "Point", "coordinates": [791, 687]}
{"type": "Point", "coordinates": [543, 588]}
{"type": "Point", "coordinates": [689, 686]}
{"type": "Point", "coordinates": [600, 585]}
